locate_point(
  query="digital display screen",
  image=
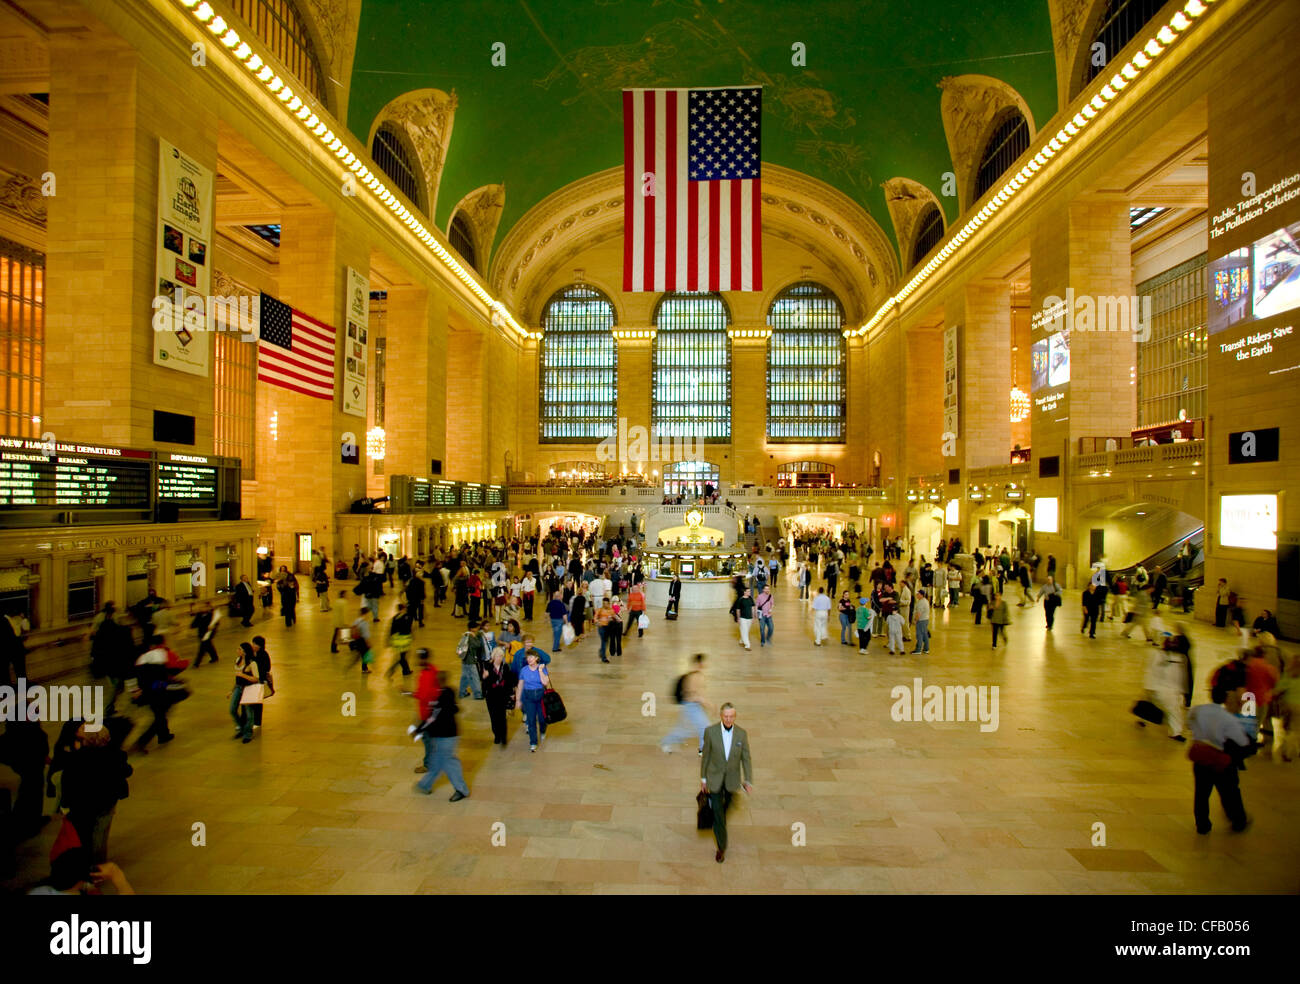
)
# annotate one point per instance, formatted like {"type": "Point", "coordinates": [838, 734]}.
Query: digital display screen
{"type": "Point", "coordinates": [30, 478]}
{"type": "Point", "coordinates": [187, 484]}
{"type": "Point", "coordinates": [421, 495]}
{"type": "Point", "coordinates": [443, 495]}
{"type": "Point", "coordinates": [1248, 521]}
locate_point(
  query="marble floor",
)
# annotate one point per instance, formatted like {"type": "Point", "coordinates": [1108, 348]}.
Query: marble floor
{"type": "Point", "coordinates": [846, 799]}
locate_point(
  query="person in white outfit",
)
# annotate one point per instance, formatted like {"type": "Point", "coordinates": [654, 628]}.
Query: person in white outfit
{"type": "Point", "coordinates": [1168, 683]}
{"type": "Point", "coordinates": [894, 625]}
{"type": "Point", "coordinates": [905, 608]}
{"type": "Point", "coordinates": [821, 614]}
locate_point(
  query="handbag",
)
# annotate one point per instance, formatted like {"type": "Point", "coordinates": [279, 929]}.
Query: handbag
{"type": "Point", "coordinates": [1202, 754]}
{"type": "Point", "coordinates": [252, 694]}
{"type": "Point", "coordinates": [703, 811]}
{"type": "Point", "coordinates": [567, 635]}
{"type": "Point", "coordinates": [553, 707]}
{"type": "Point", "coordinates": [643, 622]}
{"type": "Point", "coordinates": [1148, 711]}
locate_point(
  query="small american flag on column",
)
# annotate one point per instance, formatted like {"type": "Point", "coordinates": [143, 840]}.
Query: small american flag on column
{"type": "Point", "coordinates": [295, 351]}
{"type": "Point", "coordinates": [691, 183]}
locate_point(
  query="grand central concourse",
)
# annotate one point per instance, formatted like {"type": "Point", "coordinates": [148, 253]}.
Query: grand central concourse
{"type": "Point", "coordinates": [359, 355]}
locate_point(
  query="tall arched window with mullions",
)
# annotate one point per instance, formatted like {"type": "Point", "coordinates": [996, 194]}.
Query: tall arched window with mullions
{"type": "Point", "coordinates": [691, 394]}
{"type": "Point", "coordinates": [578, 367]}
{"type": "Point", "coordinates": [806, 367]}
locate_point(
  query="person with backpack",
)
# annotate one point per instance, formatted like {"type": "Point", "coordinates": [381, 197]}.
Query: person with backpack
{"type": "Point", "coordinates": [689, 693]}
{"type": "Point", "coordinates": [415, 594]}
{"type": "Point", "coordinates": [763, 608]}
{"type": "Point", "coordinates": [399, 637]}
{"type": "Point", "coordinates": [1219, 745]}
{"type": "Point", "coordinates": [472, 650]}
{"type": "Point", "coordinates": [438, 732]}
{"type": "Point", "coordinates": [743, 611]}
{"type": "Point", "coordinates": [321, 581]}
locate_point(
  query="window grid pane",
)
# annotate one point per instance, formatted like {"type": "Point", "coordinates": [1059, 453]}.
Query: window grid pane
{"type": "Point", "coordinates": [22, 338]}
{"type": "Point", "coordinates": [692, 368]}
{"type": "Point", "coordinates": [806, 382]}
{"type": "Point", "coordinates": [280, 27]}
{"type": "Point", "coordinates": [690, 477]}
{"type": "Point", "coordinates": [1009, 141]}
{"type": "Point", "coordinates": [578, 368]}
{"type": "Point", "coordinates": [1172, 364]}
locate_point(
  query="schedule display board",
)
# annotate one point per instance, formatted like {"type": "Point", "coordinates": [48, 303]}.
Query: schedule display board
{"type": "Point", "coordinates": [189, 481]}
{"type": "Point", "coordinates": [73, 477]}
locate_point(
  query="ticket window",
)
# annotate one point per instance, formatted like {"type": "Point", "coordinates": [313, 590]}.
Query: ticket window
{"type": "Point", "coordinates": [184, 580]}
{"type": "Point", "coordinates": [222, 575]}
{"type": "Point", "coordinates": [83, 590]}
{"type": "Point", "coordinates": [137, 578]}
{"type": "Point", "coordinates": [17, 595]}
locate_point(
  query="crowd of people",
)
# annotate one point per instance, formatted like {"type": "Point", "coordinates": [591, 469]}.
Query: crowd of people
{"type": "Point", "coordinates": [587, 586]}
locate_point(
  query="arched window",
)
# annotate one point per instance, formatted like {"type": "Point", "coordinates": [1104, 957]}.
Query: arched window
{"type": "Point", "coordinates": [1118, 26]}
{"type": "Point", "coordinates": [395, 158]}
{"type": "Point", "coordinates": [578, 367]}
{"type": "Point", "coordinates": [929, 233]}
{"type": "Point", "coordinates": [1010, 139]}
{"type": "Point", "coordinates": [691, 388]}
{"type": "Point", "coordinates": [689, 477]}
{"type": "Point", "coordinates": [806, 367]}
{"type": "Point", "coordinates": [462, 239]}
{"type": "Point", "coordinates": [282, 29]}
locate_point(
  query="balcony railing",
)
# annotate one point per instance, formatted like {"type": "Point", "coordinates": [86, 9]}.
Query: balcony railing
{"type": "Point", "coordinates": [998, 473]}
{"type": "Point", "coordinates": [746, 495]}
{"type": "Point", "coordinates": [1183, 453]}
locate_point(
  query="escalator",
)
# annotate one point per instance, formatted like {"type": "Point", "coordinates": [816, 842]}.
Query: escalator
{"type": "Point", "coordinates": [1181, 581]}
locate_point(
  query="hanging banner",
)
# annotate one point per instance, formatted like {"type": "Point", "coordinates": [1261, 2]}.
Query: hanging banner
{"type": "Point", "coordinates": [950, 380]}
{"type": "Point", "coordinates": [356, 343]}
{"type": "Point", "coordinates": [182, 271]}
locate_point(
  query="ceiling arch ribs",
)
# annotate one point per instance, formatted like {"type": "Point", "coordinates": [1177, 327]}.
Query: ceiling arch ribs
{"type": "Point", "coordinates": [426, 117]}
{"type": "Point", "coordinates": [907, 201]}
{"type": "Point", "coordinates": [971, 106]}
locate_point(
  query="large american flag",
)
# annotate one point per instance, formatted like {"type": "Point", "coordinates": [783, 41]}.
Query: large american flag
{"type": "Point", "coordinates": [295, 351]}
{"type": "Point", "coordinates": [691, 189]}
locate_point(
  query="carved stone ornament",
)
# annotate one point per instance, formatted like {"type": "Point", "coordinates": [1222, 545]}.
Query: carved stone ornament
{"type": "Point", "coordinates": [426, 115]}
{"type": "Point", "coordinates": [907, 200]}
{"type": "Point", "coordinates": [21, 196]}
{"type": "Point", "coordinates": [970, 104]}
{"type": "Point", "coordinates": [482, 208]}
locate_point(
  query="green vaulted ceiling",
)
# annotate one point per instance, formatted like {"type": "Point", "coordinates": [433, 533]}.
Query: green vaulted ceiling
{"type": "Point", "coordinates": [863, 110]}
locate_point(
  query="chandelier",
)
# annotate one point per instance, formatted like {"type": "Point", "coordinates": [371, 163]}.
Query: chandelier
{"type": "Point", "coordinates": [1019, 404]}
{"type": "Point", "coordinates": [376, 443]}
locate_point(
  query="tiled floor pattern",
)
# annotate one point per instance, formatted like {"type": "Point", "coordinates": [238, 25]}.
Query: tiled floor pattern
{"type": "Point", "coordinates": [321, 802]}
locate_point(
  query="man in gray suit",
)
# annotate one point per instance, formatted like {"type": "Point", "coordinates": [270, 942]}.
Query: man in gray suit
{"type": "Point", "coordinates": [726, 752]}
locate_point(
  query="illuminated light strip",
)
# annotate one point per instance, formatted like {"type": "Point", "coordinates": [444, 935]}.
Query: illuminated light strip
{"type": "Point", "coordinates": [1090, 112]}
{"type": "Point", "coordinates": [262, 72]}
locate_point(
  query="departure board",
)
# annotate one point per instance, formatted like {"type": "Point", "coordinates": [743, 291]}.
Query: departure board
{"type": "Point", "coordinates": [73, 481]}
{"type": "Point", "coordinates": [443, 495]}
{"type": "Point", "coordinates": [187, 484]}
{"type": "Point", "coordinates": [421, 495]}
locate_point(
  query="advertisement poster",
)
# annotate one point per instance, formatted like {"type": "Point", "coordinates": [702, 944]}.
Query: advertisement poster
{"type": "Point", "coordinates": [356, 343]}
{"type": "Point", "coordinates": [950, 420]}
{"type": "Point", "coordinates": [183, 271]}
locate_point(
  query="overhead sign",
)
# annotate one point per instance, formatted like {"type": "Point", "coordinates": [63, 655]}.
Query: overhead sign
{"type": "Point", "coordinates": [183, 271]}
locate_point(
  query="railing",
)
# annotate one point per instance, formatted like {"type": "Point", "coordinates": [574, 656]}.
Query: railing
{"type": "Point", "coordinates": [744, 494]}
{"type": "Point", "coordinates": [937, 480]}
{"type": "Point", "coordinates": [864, 493]}
{"type": "Point", "coordinates": [1183, 453]}
{"type": "Point", "coordinates": [995, 473]}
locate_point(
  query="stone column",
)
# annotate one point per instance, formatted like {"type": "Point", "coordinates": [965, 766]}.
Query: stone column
{"type": "Point", "coordinates": [108, 109]}
{"type": "Point", "coordinates": [415, 412]}
{"type": "Point", "coordinates": [750, 460]}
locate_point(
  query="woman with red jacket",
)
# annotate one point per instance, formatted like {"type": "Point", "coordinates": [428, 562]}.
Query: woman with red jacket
{"type": "Point", "coordinates": [635, 609]}
{"type": "Point", "coordinates": [475, 595]}
{"type": "Point", "coordinates": [438, 731]}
